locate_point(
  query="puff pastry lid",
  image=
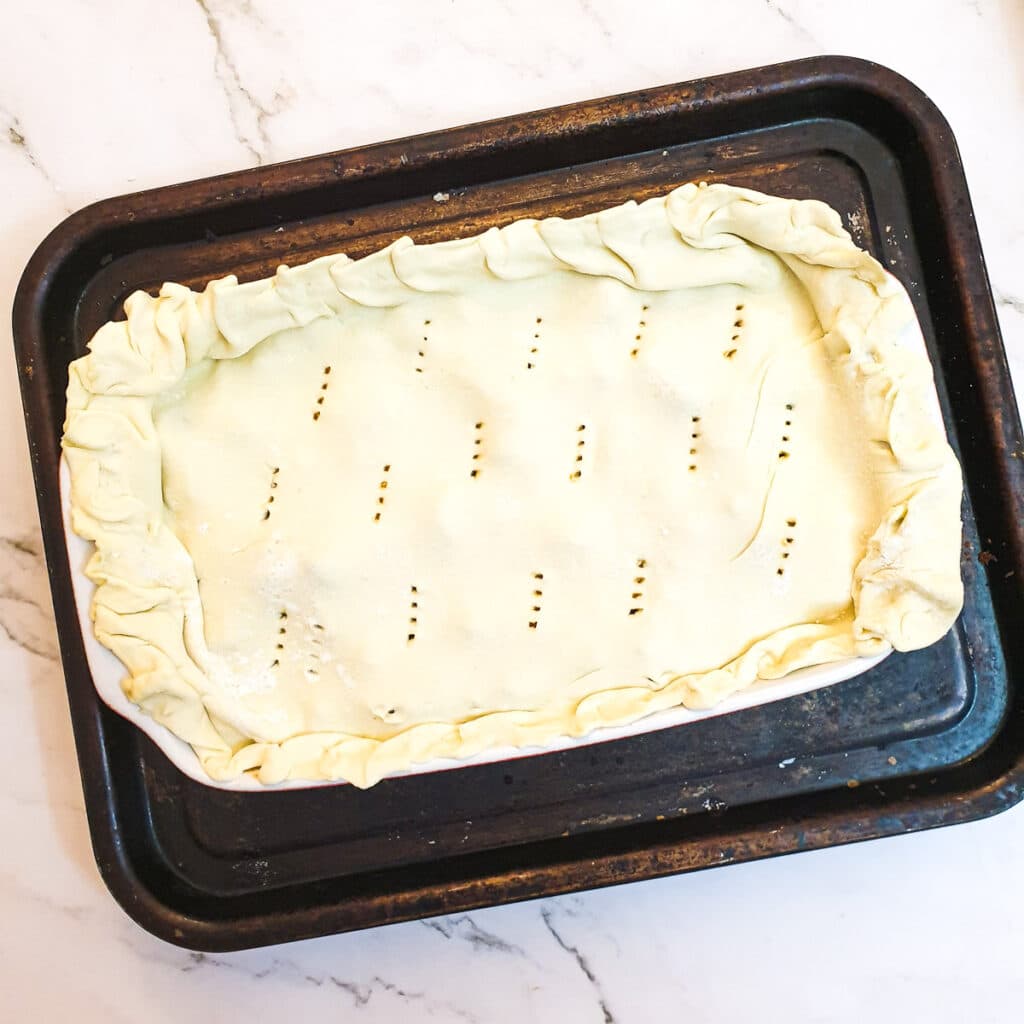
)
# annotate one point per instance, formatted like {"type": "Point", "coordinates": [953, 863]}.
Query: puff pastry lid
{"type": "Point", "coordinates": [492, 491]}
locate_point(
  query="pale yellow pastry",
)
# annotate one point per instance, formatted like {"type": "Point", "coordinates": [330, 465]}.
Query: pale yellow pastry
{"type": "Point", "coordinates": [512, 487]}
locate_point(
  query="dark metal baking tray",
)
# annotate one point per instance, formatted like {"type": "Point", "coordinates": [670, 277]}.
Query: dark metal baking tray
{"type": "Point", "coordinates": [925, 739]}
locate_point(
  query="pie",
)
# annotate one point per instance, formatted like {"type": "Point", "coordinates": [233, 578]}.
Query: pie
{"type": "Point", "coordinates": [508, 488]}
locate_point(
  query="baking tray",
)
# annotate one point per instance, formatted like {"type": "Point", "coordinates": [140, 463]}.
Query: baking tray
{"type": "Point", "coordinates": [927, 738]}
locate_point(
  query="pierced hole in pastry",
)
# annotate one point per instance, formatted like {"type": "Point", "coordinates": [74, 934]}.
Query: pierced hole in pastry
{"type": "Point", "coordinates": [324, 386]}
{"type": "Point", "coordinates": [729, 353]}
{"type": "Point", "coordinates": [779, 572]}
{"type": "Point", "coordinates": [533, 624]}
{"type": "Point", "coordinates": [382, 486]}
{"type": "Point", "coordinates": [477, 441]}
{"type": "Point", "coordinates": [413, 615]}
{"type": "Point", "coordinates": [789, 423]}
{"type": "Point", "coordinates": [274, 470]}
{"type": "Point", "coordinates": [283, 615]}
{"type": "Point", "coordinates": [783, 455]}
{"type": "Point", "coordinates": [426, 323]}
{"type": "Point", "coordinates": [785, 554]}
{"type": "Point", "coordinates": [327, 370]}
{"type": "Point", "coordinates": [275, 663]}
{"type": "Point", "coordinates": [634, 352]}
{"type": "Point", "coordinates": [316, 415]}
{"type": "Point", "coordinates": [636, 595]}
{"type": "Point", "coordinates": [739, 307]}
{"type": "Point", "coordinates": [635, 611]}
{"type": "Point", "coordinates": [791, 522]}
{"type": "Point", "coordinates": [789, 407]}
{"type": "Point", "coordinates": [785, 437]}
{"type": "Point", "coordinates": [789, 540]}
{"type": "Point", "coordinates": [580, 444]}
{"type": "Point", "coordinates": [540, 320]}
{"type": "Point", "coordinates": [693, 469]}
{"type": "Point", "coordinates": [538, 575]}
{"type": "Point", "coordinates": [535, 608]}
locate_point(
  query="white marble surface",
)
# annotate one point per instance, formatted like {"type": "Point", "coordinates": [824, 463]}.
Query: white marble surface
{"type": "Point", "coordinates": [104, 97]}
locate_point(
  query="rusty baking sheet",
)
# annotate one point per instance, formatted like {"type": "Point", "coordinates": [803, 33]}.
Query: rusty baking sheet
{"type": "Point", "coordinates": [928, 738]}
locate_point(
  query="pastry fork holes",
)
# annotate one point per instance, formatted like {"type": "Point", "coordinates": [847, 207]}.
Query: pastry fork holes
{"type": "Point", "coordinates": [274, 471]}
{"type": "Point", "coordinates": [538, 594]}
{"type": "Point", "coordinates": [322, 396]}
{"type": "Point", "coordinates": [637, 592]}
{"type": "Point", "coordinates": [382, 487]}
{"type": "Point", "coordinates": [414, 615]}
{"type": "Point", "coordinates": [581, 444]}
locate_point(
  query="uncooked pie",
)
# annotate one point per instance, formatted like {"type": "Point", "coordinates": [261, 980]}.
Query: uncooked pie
{"type": "Point", "coordinates": [512, 487]}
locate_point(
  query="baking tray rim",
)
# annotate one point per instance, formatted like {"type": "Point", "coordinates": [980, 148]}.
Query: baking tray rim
{"type": "Point", "coordinates": [994, 792]}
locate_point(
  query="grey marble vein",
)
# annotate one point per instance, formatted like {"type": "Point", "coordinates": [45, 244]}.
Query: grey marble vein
{"type": "Point", "coordinates": [75, 912]}
{"type": "Point", "coordinates": [240, 99]}
{"type": "Point", "coordinates": [360, 993]}
{"type": "Point", "coordinates": [25, 616]}
{"type": "Point", "coordinates": [430, 1005]}
{"type": "Point", "coordinates": [466, 929]}
{"type": "Point", "coordinates": [15, 135]}
{"type": "Point", "coordinates": [581, 962]}
{"type": "Point", "coordinates": [596, 18]}
{"type": "Point", "coordinates": [791, 20]}
{"type": "Point", "coordinates": [1005, 300]}
{"type": "Point", "coordinates": [23, 545]}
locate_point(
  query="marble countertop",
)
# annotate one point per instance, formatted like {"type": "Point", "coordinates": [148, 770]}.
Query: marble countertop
{"type": "Point", "coordinates": [95, 101]}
